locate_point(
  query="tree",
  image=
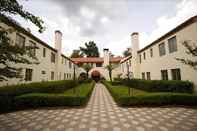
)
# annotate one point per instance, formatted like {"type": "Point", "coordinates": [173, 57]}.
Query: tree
{"type": "Point", "coordinates": [191, 50]}
{"type": "Point", "coordinates": [87, 68]}
{"type": "Point", "coordinates": [76, 54]}
{"type": "Point", "coordinates": [90, 50]}
{"type": "Point", "coordinates": [127, 52]}
{"type": "Point", "coordinates": [110, 68]}
{"type": "Point", "coordinates": [11, 54]}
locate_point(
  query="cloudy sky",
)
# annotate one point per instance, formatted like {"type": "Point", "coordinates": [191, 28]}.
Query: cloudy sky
{"type": "Point", "coordinates": [107, 22]}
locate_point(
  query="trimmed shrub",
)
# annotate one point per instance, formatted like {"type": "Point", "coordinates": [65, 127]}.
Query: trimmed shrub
{"type": "Point", "coordinates": [158, 99]}
{"type": "Point", "coordinates": [7, 93]}
{"type": "Point", "coordinates": [38, 87]}
{"type": "Point", "coordinates": [152, 99]}
{"type": "Point", "coordinates": [160, 85]}
{"type": "Point", "coordinates": [45, 99]}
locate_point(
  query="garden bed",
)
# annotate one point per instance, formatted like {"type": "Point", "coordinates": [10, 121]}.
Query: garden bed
{"type": "Point", "coordinates": [143, 98]}
{"type": "Point", "coordinates": [47, 94]}
{"type": "Point", "coordinates": [158, 85]}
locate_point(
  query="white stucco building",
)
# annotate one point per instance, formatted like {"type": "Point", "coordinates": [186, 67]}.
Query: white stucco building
{"type": "Point", "coordinates": [157, 61]}
{"type": "Point", "coordinates": [53, 65]}
{"type": "Point", "coordinates": [99, 64]}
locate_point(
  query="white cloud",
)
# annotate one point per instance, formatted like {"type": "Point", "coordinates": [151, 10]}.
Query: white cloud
{"type": "Point", "coordinates": [184, 10]}
{"type": "Point", "coordinates": [87, 13]}
{"type": "Point", "coordinates": [104, 20]}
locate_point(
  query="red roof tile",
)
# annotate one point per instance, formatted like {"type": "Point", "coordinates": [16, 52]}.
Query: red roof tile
{"type": "Point", "coordinates": [95, 60]}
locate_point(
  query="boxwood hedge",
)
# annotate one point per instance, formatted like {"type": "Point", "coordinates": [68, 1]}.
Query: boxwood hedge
{"type": "Point", "coordinates": [153, 98]}
{"type": "Point", "coordinates": [8, 93]}
{"type": "Point", "coordinates": [158, 85]}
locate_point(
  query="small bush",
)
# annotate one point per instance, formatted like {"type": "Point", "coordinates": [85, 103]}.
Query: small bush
{"type": "Point", "coordinates": [160, 85]}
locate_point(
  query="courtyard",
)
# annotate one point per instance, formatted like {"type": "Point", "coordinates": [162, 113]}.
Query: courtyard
{"type": "Point", "coordinates": [101, 114]}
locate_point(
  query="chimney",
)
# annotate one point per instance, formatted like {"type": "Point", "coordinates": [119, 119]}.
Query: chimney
{"type": "Point", "coordinates": [58, 40]}
{"type": "Point", "coordinates": [58, 47]}
{"type": "Point", "coordinates": [135, 58]}
{"type": "Point", "coordinates": [135, 44]}
{"type": "Point", "coordinates": [106, 57]}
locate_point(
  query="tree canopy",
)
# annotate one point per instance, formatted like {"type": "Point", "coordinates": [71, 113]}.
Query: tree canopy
{"type": "Point", "coordinates": [191, 50]}
{"type": "Point", "coordinates": [11, 53]}
{"type": "Point", "coordinates": [87, 68]}
{"type": "Point", "coordinates": [76, 54]}
{"type": "Point", "coordinates": [127, 52]}
{"type": "Point", "coordinates": [110, 68]}
{"type": "Point", "coordinates": [90, 49]}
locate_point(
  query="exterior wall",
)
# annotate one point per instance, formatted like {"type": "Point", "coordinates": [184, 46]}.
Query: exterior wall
{"type": "Point", "coordinates": [125, 67]}
{"type": "Point", "coordinates": [45, 63]}
{"type": "Point", "coordinates": [157, 63]}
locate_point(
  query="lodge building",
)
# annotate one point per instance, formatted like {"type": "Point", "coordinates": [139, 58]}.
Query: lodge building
{"type": "Point", "coordinates": [157, 61]}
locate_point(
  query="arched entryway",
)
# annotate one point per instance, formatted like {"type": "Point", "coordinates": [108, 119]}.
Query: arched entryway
{"type": "Point", "coordinates": [96, 75]}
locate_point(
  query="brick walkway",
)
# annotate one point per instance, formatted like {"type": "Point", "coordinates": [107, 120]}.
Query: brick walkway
{"type": "Point", "coordinates": [101, 114]}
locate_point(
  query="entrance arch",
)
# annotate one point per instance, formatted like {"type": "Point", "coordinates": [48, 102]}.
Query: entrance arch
{"type": "Point", "coordinates": [95, 75]}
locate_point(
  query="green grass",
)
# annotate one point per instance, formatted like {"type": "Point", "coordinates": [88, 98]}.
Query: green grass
{"type": "Point", "coordinates": [73, 96]}
{"type": "Point", "coordinates": [145, 98]}
{"type": "Point", "coordinates": [80, 90]}
{"type": "Point", "coordinates": [122, 90]}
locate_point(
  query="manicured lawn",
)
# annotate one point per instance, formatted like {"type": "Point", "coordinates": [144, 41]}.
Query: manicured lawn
{"type": "Point", "coordinates": [122, 90]}
{"type": "Point", "coordinates": [145, 98]}
{"type": "Point", "coordinates": [81, 90]}
{"type": "Point", "coordinates": [48, 94]}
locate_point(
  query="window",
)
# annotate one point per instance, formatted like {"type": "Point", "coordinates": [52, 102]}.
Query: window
{"type": "Point", "coordinates": [43, 72]}
{"type": "Point", "coordinates": [164, 74]}
{"type": "Point", "coordinates": [28, 74]}
{"type": "Point", "coordinates": [33, 48]}
{"type": "Point", "coordinates": [148, 76]}
{"type": "Point", "coordinates": [65, 61]}
{"type": "Point", "coordinates": [140, 58]}
{"type": "Point", "coordinates": [144, 54]}
{"type": "Point", "coordinates": [52, 75]}
{"type": "Point", "coordinates": [98, 64]}
{"type": "Point", "coordinates": [143, 75]}
{"type": "Point", "coordinates": [151, 52]}
{"type": "Point", "coordinates": [20, 40]}
{"type": "Point", "coordinates": [176, 74]}
{"type": "Point", "coordinates": [172, 44]}
{"type": "Point", "coordinates": [70, 65]}
{"type": "Point", "coordinates": [64, 76]}
{"type": "Point", "coordinates": [162, 50]}
{"type": "Point", "coordinates": [52, 57]}
{"type": "Point", "coordinates": [44, 52]}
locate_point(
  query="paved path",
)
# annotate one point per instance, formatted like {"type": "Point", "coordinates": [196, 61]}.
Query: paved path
{"type": "Point", "coordinates": [101, 114]}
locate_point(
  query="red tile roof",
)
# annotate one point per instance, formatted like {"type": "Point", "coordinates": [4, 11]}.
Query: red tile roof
{"type": "Point", "coordinates": [95, 60]}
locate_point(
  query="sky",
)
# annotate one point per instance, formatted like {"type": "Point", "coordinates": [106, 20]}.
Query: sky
{"type": "Point", "coordinates": [109, 23]}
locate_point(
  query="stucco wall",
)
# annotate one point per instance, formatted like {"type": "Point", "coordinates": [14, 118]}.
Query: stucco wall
{"type": "Point", "coordinates": [168, 61]}
{"type": "Point", "coordinates": [45, 63]}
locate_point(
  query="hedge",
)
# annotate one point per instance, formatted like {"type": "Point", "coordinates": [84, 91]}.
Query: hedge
{"type": "Point", "coordinates": [153, 99]}
{"type": "Point", "coordinates": [50, 100]}
{"type": "Point", "coordinates": [8, 93]}
{"type": "Point", "coordinates": [38, 87]}
{"type": "Point", "coordinates": [159, 85]}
